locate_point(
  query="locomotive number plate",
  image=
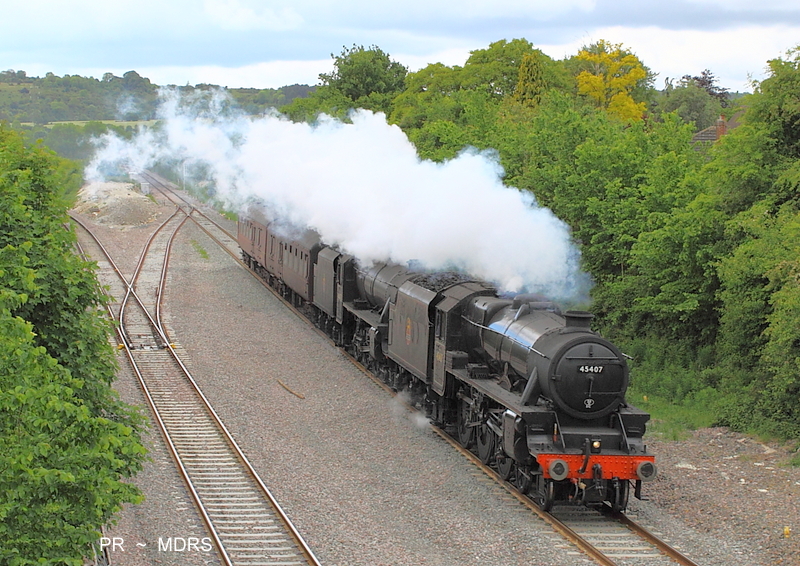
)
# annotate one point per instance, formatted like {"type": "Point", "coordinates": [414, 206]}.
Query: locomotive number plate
{"type": "Point", "coordinates": [590, 369]}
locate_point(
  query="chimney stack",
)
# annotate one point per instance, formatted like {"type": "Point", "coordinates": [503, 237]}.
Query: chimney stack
{"type": "Point", "coordinates": [722, 127]}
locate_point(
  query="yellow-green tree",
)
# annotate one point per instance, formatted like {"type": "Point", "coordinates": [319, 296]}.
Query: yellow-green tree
{"type": "Point", "coordinates": [531, 83]}
{"type": "Point", "coordinates": [610, 75]}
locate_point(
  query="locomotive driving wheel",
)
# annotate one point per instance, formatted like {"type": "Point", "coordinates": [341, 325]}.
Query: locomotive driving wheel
{"type": "Point", "coordinates": [523, 479]}
{"type": "Point", "coordinates": [466, 433]}
{"type": "Point", "coordinates": [486, 441]}
{"type": "Point", "coordinates": [544, 492]}
{"type": "Point", "coordinates": [505, 465]}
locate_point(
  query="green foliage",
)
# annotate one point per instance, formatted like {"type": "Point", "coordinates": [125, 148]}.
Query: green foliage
{"type": "Point", "coordinates": [692, 103]}
{"type": "Point", "coordinates": [362, 78]}
{"type": "Point", "coordinates": [531, 83]}
{"type": "Point", "coordinates": [52, 98]}
{"type": "Point", "coordinates": [777, 104]}
{"type": "Point", "coordinates": [445, 109]}
{"type": "Point", "coordinates": [255, 101]}
{"type": "Point", "coordinates": [75, 140]}
{"type": "Point", "coordinates": [672, 280]}
{"type": "Point", "coordinates": [361, 73]}
{"type": "Point", "coordinates": [495, 70]}
{"type": "Point", "coordinates": [671, 420]}
{"type": "Point", "coordinates": [745, 166]}
{"type": "Point", "coordinates": [41, 101]}
{"type": "Point", "coordinates": [609, 181]}
{"type": "Point", "coordinates": [743, 231]}
{"type": "Point", "coordinates": [324, 100]}
{"type": "Point", "coordinates": [66, 441]}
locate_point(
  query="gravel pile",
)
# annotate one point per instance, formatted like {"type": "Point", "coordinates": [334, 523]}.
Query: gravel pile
{"type": "Point", "coordinates": [116, 204]}
{"type": "Point", "coordinates": [366, 484]}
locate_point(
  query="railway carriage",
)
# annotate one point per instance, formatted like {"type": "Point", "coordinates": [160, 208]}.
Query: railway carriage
{"type": "Point", "coordinates": [535, 392]}
{"type": "Point", "coordinates": [287, 262]}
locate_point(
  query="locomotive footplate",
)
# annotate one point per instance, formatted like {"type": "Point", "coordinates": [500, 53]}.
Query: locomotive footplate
{"type": "Point", "coordinates": [492, 389]}
{"type": "Point", "coordinates": [369, 316]}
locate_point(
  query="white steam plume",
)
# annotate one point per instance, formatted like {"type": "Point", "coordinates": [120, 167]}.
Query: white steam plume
{"type": "Point", "coordinates": [362, 187]}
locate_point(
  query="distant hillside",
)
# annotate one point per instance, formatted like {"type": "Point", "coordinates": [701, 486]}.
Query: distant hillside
{"type": "Point", "coordinates": [130, 97]}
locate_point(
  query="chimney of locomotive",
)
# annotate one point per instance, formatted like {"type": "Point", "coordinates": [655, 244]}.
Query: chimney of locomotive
{"type": "Point", "coordinates": [579, 319]}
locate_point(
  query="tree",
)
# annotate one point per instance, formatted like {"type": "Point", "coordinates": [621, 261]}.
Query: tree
{"type": "Point", "coordinates": [609, 78]}
{"type": "Point", "coordinates": [708, 82]}
{"type": "Point", "coordinates": [366, 75]}
{"type": "Point", "coordinates": [324, 100]}
{"type": "Point", "coordinates": [133, 82]}
{"type": "Point", "coordinates": [362, 78]}
{"type": "Point", "coordinates": [531, 84]}
{"type": "Point", "coordinates": [443, 109]}
{"type": "Point", "coordinates": [66, 441]}
{"type": "Point", "coordinates": [496, 69]}
{"type": "Point", "coordinates": [428, 96]}
{"type": "Point", "coordinates": [777, 102]}
{"type": "Point", "coordinates": [692, 103]}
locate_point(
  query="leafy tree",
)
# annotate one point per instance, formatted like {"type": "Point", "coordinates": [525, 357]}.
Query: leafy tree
{"type": "Point", "coordinates": [496, 69]}
{"type": "Point", "coordinates": [443, 109]}
{"type": "Point", "coordinates": [692, 103]}
{"type": "Point", "coordinates": [777, 103]}
{"type": "Point", "coordinates": [531, 84]}
{"type": "Point", "coordinates": [14, 77]}
{"type": "Point", "coordinates": [255, 101]}
{"type": "Point", "coordinates": [133, 82]}
{"type": "Point", "coordinates": [708, 82]}
{"type": "Point", "coordinates": [54, 98]}
{"type": "Point", "coordinates": [324, 100]}
{"type": "Point", "coordinates": [609, 77]}
{"type": "Point", "coordinates": [66, 441]}
{"type": "Point", "coordinates": [362, 78]}
{"type": "Point", "coordinates": [360, 72]}
{"type": "Point", "coordinates": [428, 96]}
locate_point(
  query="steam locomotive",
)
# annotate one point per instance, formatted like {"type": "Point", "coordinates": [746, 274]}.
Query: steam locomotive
{"type": "Point", "coordinates": [531, 390]}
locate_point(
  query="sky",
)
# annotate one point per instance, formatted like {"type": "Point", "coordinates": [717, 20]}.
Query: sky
{"type": "Point", "coordinates": [272, 43]}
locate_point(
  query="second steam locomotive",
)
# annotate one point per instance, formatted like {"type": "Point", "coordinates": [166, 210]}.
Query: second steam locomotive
{"type": "Point", "coordinates": [533, 391]}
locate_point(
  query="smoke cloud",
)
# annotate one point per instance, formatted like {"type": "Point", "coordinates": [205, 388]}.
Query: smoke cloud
{"type": "Point", "coordinates": [363, 188]}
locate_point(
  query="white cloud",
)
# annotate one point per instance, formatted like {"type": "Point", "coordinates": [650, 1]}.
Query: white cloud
{"type": "Point", "coordinates": [235, 15]}
{"type": "Point", "coordinates": [41, 20]}
{"type": "Point", "coordinates": [534, 9]}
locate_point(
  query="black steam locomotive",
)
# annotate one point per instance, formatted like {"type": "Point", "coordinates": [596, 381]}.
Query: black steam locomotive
{"type": "Point", "coordinates": [533, 391]}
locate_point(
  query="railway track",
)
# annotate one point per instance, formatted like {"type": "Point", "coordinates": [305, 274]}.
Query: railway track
{"type": "Point", "coordinates": [245, 522]}
{"type": "Point", "coordinates": [608, 539]}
